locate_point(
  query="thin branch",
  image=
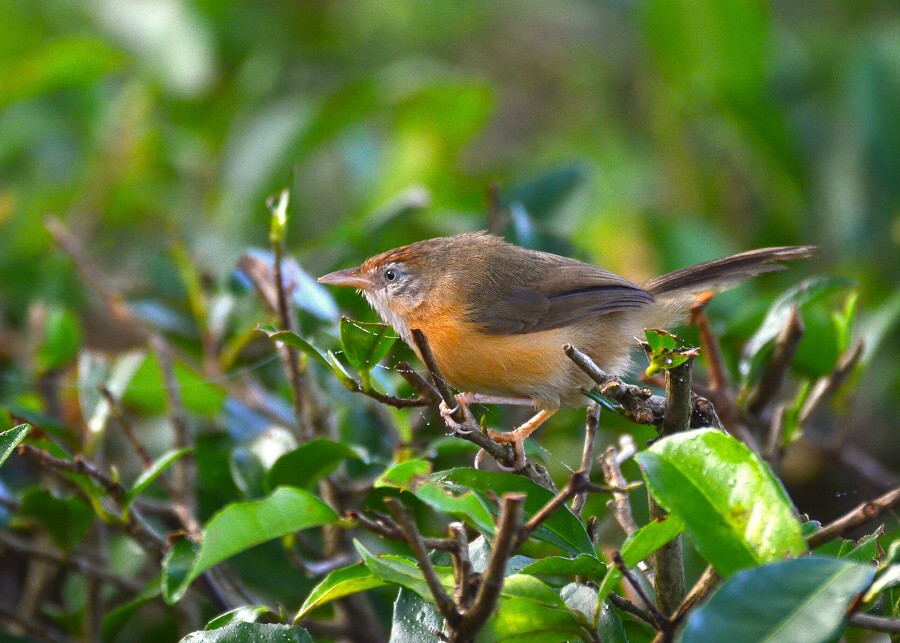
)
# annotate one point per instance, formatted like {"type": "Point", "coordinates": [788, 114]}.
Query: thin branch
{"type": "Point", "coordinates": [707, 581]}
{"type": "Point", "coordinates": [774, 448]}
{"type": "Point", "coordinates": [126, 427]}
{"type": "Point", "coordinates": [424, 349]}
{"type": "Point", "coordinates": [619, 504]}
{"type": "Point", "coordinates": [719, 380]}
{"type": "Point", "coordinates": [638, 403]}
{"type": "Point", "coordinates": [668, 560]}
{"type": "Point", "coordinates": [462, 565]}
{"type": "Point", "coordinates": [492, 580]}
{"type": "Point", "coordinates": [591, 425]}
{"type": "Point", "coordinates": [444, 603]}
{"type": "Point", "coordinates": [578, 483]}
{"type": "Point", "coordinates": [876, 623]}
{"type": "Point", "coordinates": [865, 512]}
{"type": "Point", "coordinates": [422, 386]}
{"type": "Point", "coordinates": [827, 386]}
{"type": "Point", "coordinates": [660, 622]}
{"type": "Point", "coordinates": [627, 606]}
{"type": "Point", "coordinates": [388, 529]}
{"type": "Point", "coordinates": [772, 379]}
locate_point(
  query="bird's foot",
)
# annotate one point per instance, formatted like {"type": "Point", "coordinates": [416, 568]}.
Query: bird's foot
{"type": "Point", "coordinates": [459, 428]}
{"type": "Point", "coordinates": [517, 438]}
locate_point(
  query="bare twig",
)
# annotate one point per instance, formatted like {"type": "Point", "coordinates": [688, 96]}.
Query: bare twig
{"type": "Point", "coordinates": [773, 377]}
{"type": "Point", "coordinates": [423, 347]}
{"type": "Point", "coordinates": [387, 528]}
{"type": "Point", "coordinates": [862, 514]}
{"type": "Point", "coordinates": [419, 383]}
{"type": "Point", "coordinates": [492, 580]}
{"type": "Point", "coordinates": [445, 604]}
{"type": "Point", "coordinates": [578, 483]}
{"type": "Point", "coordinates": [462, 565]}
{"type": "Point", "coordinates": [591, 425]}
{"type": "Point", "coordinates": [826, 386]}
{"type": "Point", "coordinates": [619, 504]}
{"type": "Point", "coordinates": [776, 434]}
{"type": "Point", "coordinates": [660, 622]}
{"type": "Point", "coordinates": [627, 606]}
{"type": "Point", "coordinates": [719, 381]}
{"type": "Point", "coordinates": [126, 427]}
{"type": "Point", "coordinates": [876, 623]}
{"type": "Point", "coordinates": [668, 560]}
{"type": "Point", "coordinates": [707, 581]}
{"type": "Point", "coordinates": [638, 404]}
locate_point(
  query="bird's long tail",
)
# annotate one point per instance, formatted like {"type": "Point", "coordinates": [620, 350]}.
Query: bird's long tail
{"type": "Point", "coordinates": [722, 273]}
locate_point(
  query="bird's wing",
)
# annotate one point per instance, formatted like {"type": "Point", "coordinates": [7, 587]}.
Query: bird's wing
{"type": "Point", "coordinates": [550, 294]}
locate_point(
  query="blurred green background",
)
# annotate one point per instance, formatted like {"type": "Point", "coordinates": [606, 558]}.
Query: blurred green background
{"type": "Point", "coordinates": [643, 136]}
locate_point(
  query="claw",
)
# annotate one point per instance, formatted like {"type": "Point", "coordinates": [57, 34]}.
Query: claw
{"type": "Point", "coordinates": [447, 413]}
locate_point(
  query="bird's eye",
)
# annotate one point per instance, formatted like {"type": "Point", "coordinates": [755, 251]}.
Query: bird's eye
{"type": "Point", "coordinates": [390, 274]}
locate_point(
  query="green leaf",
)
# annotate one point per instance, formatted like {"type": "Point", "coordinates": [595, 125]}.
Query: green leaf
{"type": "Point", "coordinates": [805, 599]}
{"type": "Point", "coordinates": [156, 469]}
{"type": "Point", "coordinates": [561, 529]}
{"type": "Point", "coordinates": [582, 599]}
{"type": "Point", "coordinates": [365, 344]}
{"type": "Point", "coordinates": [410, 476]}
{"type": "Point", "coordinates": [250, 633]}
{"type": "Point", "coordinates": [758, 348]}
{"type": "Point", "coordinates": [402, 571]}
{"type": "Point", "coordinates": [307, 464]}
{"type": "Point", "coordinates": [10, 439]}
{"type": "Point", "coordinates": [176, 569]}
{"type": "Point", "coordinates": [865, 550]}
{"type": "Point", "coordinates": [414, 619]}
{"type": "Point", "coordinates": [640, 546]}
{"type": "Point", "coordinates": [530, 610]}
{"type": "Point", "coordinates": [660, 340]}
{"type": "Point", "coordinates": [66, 519]}
{"type": "Point", "coordinates": [735, 510]}
{"type": "Point", "coordinates": [241, 525]}
{"type": "Point", "coordinates": [242, 614]}
{"type": "Point", "coordinates": [338, 584]}
{"type": "Point", "coordinates": [62, 339]}
{"type": "Point", "coordinates": [582, 565]}
{"type": "Point", "coordinates": [293, 340]}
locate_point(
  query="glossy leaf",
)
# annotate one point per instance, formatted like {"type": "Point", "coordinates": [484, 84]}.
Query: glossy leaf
{"type": "Point", "coordinates": [735, 511]}
{"type": "Point", "coordinates": [582, 565]}
{"type": "Point", "coordinates": [307, 464]}
{"type": "Point", "coordinates": [250, 633]}
{"type": "Point", "coordinates": [242, 525]}
{"type": "Point", "coordinates": [799, 600]}
{"type": "Point", "coordinates": [410, 476]}
{"type": "Point", "coordinates": [640, 546]}
{"type": "Point", "coordinates": [10, 439]}
{"type": "Point", "coordinates": [146, 478]}
{"type": "Point", "coordinates": [339, 583]}
{"type": "Point", "coordinates": [562, 528]}
{"type": "Point", "coordinates": [414, 619]}
{"type": "Point", "coordinates": [365, 344]}
{"type": "Point", "coordinates": [403, 571]}
{"type": "Point", "coordinates": [242, 614]}
{"type": "Point", "coordinates": [293, 340]}
{"type": "Point", "coordinates": [530, 610]}
{"type": "Point", "coordinates": [582, 599]}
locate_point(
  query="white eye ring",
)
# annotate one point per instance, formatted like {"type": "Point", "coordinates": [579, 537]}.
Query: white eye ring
{"type": "Point", "coordinates": [390, 274]}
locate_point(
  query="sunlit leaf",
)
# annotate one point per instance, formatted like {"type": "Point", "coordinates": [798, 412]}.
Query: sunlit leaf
{"type": "Point", "coordinates": [805, 599]}
{"type": "Point", "coordinates": [294, 341]}
{"type": "Point", "coordinates": [735, 510]}
{"type": "Point", "coordinates": [339, 583]}
{"type": "Point", "coordinates": [10, 439]}
{"type": "Point", "coordinates": [250, 633]}
{"type": "Point", "coordinates": [242, 614]}
{"type": "Point", "coordinates": [365, 344]}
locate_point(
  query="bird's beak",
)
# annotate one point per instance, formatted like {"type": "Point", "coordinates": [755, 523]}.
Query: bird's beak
{"type": "Point", "coordinates": [350, 277]}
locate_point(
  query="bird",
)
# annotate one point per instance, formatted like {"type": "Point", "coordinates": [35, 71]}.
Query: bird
{"type": "Point", "coordinates": [496, 315]}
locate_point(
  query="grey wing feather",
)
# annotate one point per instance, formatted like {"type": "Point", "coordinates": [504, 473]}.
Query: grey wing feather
{"type": "Point", "coordinates": [562, 292]}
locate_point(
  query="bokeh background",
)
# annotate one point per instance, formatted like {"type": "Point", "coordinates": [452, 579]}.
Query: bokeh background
{"type": "Point", "coordinates": [641, 135]}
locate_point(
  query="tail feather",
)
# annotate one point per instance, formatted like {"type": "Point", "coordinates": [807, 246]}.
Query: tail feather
{"type": "Point", "coordinates": [718, 274]}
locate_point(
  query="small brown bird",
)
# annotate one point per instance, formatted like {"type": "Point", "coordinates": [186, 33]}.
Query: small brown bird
{"type": "Point", "coordinates": [496, 315]}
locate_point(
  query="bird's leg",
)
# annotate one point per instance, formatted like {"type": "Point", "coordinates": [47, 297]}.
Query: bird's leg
{"type": "Point", "coordinates": [464, 400]}
{"type": "Point", "coordinates": [518, 436]}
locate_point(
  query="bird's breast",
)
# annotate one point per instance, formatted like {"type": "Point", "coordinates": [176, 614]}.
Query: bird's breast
{"type": "Point", "coordinates": [531, 365]}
